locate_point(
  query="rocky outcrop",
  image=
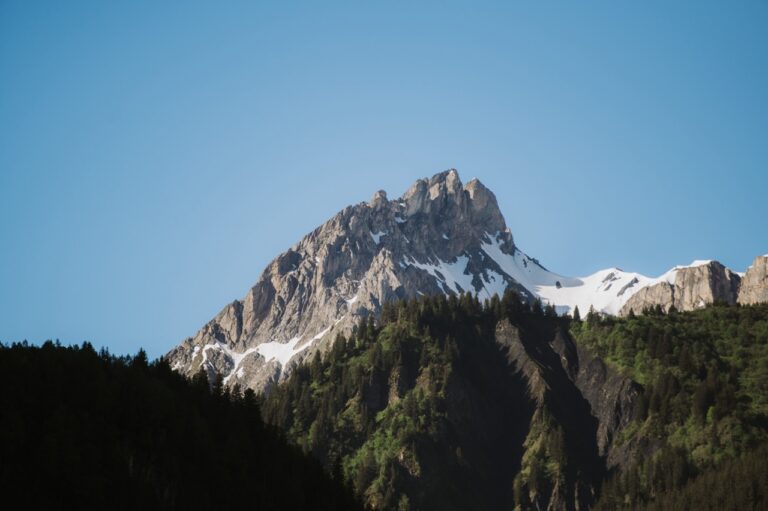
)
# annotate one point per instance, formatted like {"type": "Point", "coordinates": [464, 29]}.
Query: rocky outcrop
{"type": "Point", "coordinates": [574, 390]}
{"type": "Point", "coordinates": [508, 337]}
{"type": "Point", "coordinates": [754, 285]}
{"type": "Point", "coordinates": [688, 288]}
{"type": "Point", "coordinates": [612, 398]}
{"type": "Point", "coordinates": [662, 294]}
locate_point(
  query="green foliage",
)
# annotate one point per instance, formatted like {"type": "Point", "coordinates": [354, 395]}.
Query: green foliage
{"type": "Point", "coordinates": [705, 396]}
{"type": "Point", "coordinates": [666, 483]}
{"type": "Point", "coordinates": [422, 411]}
{"type": "Point", "coordinates": [544, 460]}
{"type": "Point", "coordinates": [81, 430]}
{"type": "Point", "coordinates": [383, 405]}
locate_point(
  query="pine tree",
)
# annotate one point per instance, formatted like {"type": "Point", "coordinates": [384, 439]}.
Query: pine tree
{"type": "Point", "coordinates": [200, 379]}
{"type": "Point", "coordinates": [592, 317]}
{"type": "Point", "coordinates": [315, 368]}
{"type": "Point", "coordinates": [140, 360]}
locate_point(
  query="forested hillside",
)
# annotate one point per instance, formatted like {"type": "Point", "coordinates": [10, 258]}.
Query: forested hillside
{"type": "Point", "coordinates": [704, 408]}
{"type": "Point", "coordinates": [444, 403]}
{"type": "Point", "coordinates": [86, 430]}
{"type": "Point", "coordinates": [429, 409]}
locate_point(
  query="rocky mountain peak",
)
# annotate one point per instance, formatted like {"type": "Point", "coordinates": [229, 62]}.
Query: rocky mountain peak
{"type": "Point", "coordinates": [429, 241]}
{"type": "Point", "coordinates": [445, 183]}
{"type": "Point", "coordinates": [439, 237]}
{"type": "Point", "coordinates": [434, 195]}
{"type": "Point", "coordinates": [445, 195]}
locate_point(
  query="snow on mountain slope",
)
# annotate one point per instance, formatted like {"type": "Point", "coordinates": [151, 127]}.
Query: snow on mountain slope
{"type": "Point", "coordinates": [456, 278]}
{"type": "Point", "coordinates": [605, 290]}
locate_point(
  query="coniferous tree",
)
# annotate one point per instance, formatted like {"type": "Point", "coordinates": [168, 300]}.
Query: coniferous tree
{"type": "Point", "coordinates": [107, 432]}
{"type": "Point", "coordinates": [592, 316]}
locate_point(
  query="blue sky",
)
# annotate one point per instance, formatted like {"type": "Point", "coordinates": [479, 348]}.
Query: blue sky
{"type": "Point", "coordinates": [154, 156]}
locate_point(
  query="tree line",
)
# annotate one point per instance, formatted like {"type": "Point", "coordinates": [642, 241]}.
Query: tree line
{"type": "Point", "coordinates": [81, 429]}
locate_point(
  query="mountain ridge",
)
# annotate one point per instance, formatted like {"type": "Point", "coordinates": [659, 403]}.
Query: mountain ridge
{"type": "Point", "coordinates": [440, 237]}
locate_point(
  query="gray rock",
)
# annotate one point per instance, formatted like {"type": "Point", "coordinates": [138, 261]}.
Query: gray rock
{"type": "Point", "coordinates": [754, 285]}
{"type": "Point", "coordinates": [420, 244]}
{"type": "Point", "coordinates": [574, 387]}
{"type": "Point", "coordinates": [691, 288]}
{"type": "Point", "coordinates": [612, 399]}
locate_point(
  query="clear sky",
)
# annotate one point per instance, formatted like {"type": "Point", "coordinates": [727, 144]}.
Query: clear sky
{"type": "Point", "coordinates": [154, 156]}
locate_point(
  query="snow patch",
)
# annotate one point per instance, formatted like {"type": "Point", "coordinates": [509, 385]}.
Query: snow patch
{"type": "Point", "coordinates": [377, 236]}
{"type": "Point", "coordinates": [605, 290]}
{"type": "Point", "coordinates": [283, 352]}
{"type": "Point", "coordinates": [455, 277]}
{"type": "Point", "coordinates": [236, 358]}
{"type": "Point", "coordinates": [495, 284]}
{"type": "Point", "coordinates": [451, 275]}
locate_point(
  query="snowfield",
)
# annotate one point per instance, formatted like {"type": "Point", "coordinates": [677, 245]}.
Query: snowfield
{"type": "Point", "coordinates": [605, 290]}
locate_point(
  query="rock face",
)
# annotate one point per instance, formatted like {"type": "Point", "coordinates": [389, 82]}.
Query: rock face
{"type": "Point", "coordinates": [688, 288]}
{"type": "Point", "coordinates": [426, 242]}
{"type": "Point", "coordinates": [754, 285]}
{"type": "Point", "coordinates": [571, 388]}
{"type": "Point", "coordinates": [612, 399]}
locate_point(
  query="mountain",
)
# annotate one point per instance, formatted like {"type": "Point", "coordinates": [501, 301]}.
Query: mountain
{"type": "Point", "coordinates": [440, 237]}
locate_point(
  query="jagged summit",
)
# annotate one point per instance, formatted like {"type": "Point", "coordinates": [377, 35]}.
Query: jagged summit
{"type": "Point", "coordinates": [428, 241]}
{"type": "Point", "coordinates": [444, 193]}
{"type": "Point", "coordinates": [440, 236]}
